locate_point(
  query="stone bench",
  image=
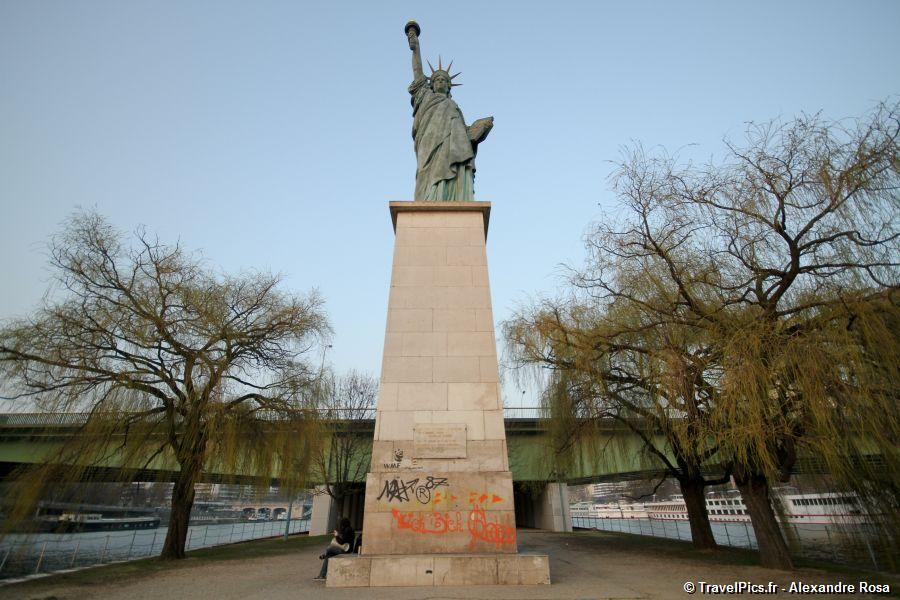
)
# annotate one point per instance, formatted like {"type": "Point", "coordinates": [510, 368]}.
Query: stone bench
{"type": "Point", "coordinates": [438, 570]}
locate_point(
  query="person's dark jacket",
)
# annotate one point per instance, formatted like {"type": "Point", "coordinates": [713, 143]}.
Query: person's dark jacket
{"type": "Point", "coordinates": [346, 535]}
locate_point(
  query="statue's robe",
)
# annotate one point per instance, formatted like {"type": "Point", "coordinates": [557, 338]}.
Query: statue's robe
{"type": "Point", "coordinates": [445, 157]}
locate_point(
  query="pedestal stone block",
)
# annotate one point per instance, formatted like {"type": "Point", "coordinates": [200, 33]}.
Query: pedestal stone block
{"type": "Point", "coordinates": [473, 396]}
{"type": "Point", "coordinates": [455, 319]}
{"type": "Point", "coordinates": [438, 570]}
{"type": "Point", "coordinates": [457, 369]}
{"type": "Point", "coordinates": [349, 573]}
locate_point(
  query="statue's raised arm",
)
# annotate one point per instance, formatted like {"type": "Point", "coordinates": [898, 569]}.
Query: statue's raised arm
{"type": "Point", "coordinates": [412, 33]}
{"type": "Point", "coordinates": [445, 146]}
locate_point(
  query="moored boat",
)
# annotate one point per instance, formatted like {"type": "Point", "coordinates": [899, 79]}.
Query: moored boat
{"type": "Point", "coordinates": [79, 522]}
{"type": "Point", "coordinates": [611, 510]}
{"type": "Point", "coordinates": [797, 509]}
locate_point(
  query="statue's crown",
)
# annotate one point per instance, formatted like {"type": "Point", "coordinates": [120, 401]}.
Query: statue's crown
{"type": "Point", "coordinates": [446, 71]}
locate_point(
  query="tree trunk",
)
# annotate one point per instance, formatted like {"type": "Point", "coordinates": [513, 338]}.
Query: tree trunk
{"type": "Point", "coordinates": [340, 509]}
{"type": "Point", "coordinates": [182, 502]}
{"type": "Point", "coordinates": [773, 551]}
{"type": "Point", "coordinates": [695, 501]}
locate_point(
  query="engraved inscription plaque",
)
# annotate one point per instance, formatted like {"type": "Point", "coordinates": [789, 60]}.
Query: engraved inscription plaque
{"type": "Point", "coordinates": [447, 440]}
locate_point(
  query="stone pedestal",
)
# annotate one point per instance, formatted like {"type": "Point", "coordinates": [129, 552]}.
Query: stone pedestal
{"type": "Point", "coordinates": [439, 493]}
{"type": "Point", "coordinates": [438, 570]}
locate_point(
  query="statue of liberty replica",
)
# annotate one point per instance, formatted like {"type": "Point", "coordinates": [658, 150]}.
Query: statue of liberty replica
{"type": "Point", "coordinates": [445, 146]}
{"type": "Point", "coordinates": [439, 506]}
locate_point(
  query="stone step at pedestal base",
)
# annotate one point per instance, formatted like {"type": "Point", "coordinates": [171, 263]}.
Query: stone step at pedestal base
{"type": "Point", "coordinates": [405, 570]}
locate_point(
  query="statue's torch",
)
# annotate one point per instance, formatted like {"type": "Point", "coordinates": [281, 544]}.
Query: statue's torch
{"type": "Point", "coordinates": [413, 31]}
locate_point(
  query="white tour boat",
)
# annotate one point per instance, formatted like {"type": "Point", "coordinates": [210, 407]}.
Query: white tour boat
{"type": "Point", "coordinates": [797, 509]}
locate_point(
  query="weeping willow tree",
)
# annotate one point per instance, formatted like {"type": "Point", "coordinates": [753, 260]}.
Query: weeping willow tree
{"type": "Point", "coordinates": [818, 391]}
{"type": "Point", "coordinates": [796, 232]}
{"type": "Point", "coordinates": [171, 367]}
{"type": "Point", "coordinates": [621, 354]}
{"type": "Point", "coordinates": [778, 267]}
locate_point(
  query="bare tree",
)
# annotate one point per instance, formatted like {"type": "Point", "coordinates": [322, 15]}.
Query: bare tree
{"type": "Point", "coordinates": [176, 367]}
{"type": "Point", "coordinates": [343, 459]}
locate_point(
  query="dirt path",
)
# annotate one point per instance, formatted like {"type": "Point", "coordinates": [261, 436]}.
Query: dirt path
{"type": "Point", "coordinates": [582, 567]}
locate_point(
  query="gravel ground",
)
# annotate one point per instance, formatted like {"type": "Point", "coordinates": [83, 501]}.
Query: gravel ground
{"type": "Point", "coordinates": [583, 566]}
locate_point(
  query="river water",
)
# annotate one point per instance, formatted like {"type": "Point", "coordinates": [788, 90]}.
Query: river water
{"type": "Point", "coordinates": [22, 554]}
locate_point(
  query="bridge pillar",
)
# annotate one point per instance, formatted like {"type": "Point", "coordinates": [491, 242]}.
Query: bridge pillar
{"type": "Point", "coordinates": [551, 508]}
{"type": "Point", "coordinates": [351, 507]}
{"type": "Point", "coordinates": [323, 519]}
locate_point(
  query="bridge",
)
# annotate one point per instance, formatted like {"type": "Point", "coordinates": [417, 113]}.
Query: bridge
{"type": "Point", "coordinates": [612, 452]}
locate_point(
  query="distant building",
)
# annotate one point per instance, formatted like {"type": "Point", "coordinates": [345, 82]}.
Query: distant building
{"type": "Point", "coordinates": [609, 489]}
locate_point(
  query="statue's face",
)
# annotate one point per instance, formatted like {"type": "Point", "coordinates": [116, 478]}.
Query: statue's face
{"type": "Point", "coordinates": [440, 84]}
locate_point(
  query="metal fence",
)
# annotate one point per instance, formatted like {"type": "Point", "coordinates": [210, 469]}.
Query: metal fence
{"type": "Point", "coordinates": [738, 534]}
{"type": "Point", "coordinates": [22, 555]}
{"type": "Point", "coordinates": [848, 544]}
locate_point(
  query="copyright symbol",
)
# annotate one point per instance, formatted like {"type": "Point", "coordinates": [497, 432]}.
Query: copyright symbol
{"type": "Point", "coordinates": [689, 587]}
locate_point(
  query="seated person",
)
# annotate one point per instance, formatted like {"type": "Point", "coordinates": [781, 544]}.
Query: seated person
{"type": "Point", "coordinates": [343, 536]}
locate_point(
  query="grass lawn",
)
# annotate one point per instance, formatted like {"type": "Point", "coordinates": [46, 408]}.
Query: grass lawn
{"type": "Point", "coordinates": [147, 567]}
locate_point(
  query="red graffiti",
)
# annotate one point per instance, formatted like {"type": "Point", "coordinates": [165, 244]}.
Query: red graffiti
{"type": "Point", "coordinates": [482, 498]}
{"type": "Point", "coordinates": [492, 532]}
{"type": "Point", "coordinates": [428, 522]}
{"type": "Point", "coordinates": [480, 529]}
{"type": "Point", "coordinates": [446, 498]}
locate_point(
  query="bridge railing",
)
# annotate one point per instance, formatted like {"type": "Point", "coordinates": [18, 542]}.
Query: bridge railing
{"type": "Point", "coordinates": [75, 419]}
{"type": "Point", "coordinates": [47, 419]}
{"type": "Point", "coordinates": [523, 412]}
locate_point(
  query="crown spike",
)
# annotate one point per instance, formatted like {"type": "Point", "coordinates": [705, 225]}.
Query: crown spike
{"type": "Point", "coordinates": [455, 76]}
{"type": "Point", "coordinates": [440, 68]}
{"type": "Point", "coordinates": [430, 66]}
{"type": "Point", "coordinates": [450, 66]}
{"type": "Point", "coordinates": [455, 84]}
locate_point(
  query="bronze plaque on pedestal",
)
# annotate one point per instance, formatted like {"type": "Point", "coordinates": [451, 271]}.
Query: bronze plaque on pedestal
{"type": "Point", "coordinates": [445, 440]}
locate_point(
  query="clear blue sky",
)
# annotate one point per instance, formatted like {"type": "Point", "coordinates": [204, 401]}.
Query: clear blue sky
{"type": "Point", "coordinates": [273, 134]}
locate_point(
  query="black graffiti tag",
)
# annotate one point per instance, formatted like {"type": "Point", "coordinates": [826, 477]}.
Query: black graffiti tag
{"type": "Point", "coordinates": [398, 490]}
{"type": "Point", "coordinates": [423, 492]}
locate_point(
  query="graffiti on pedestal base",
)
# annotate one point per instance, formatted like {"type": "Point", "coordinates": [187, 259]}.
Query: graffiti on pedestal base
{"type": "Point", "coordinates": [398, 490]}
{"type": "Point", "coordinates": [478, 525]}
